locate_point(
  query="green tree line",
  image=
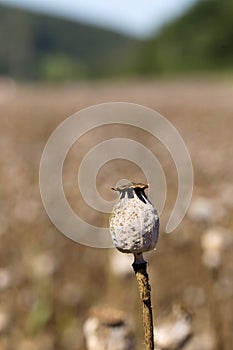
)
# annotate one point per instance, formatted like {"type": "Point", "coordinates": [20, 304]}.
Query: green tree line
{"type": "Point", "coordinates": [39, 47]}
{"type": "Point", "coordinates": [200, 40]}
{"type": "Point", "coordinates": [35, 46]}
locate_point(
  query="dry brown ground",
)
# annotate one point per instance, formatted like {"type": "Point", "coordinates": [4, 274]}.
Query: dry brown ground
{"type": "Point", "coordinates": [47, 282]}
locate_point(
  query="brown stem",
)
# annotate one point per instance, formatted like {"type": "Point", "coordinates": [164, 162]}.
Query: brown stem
{"type": "Point", "coordinates": [215, 309]}
{"type": "Point", "coordinates": [142, 277]}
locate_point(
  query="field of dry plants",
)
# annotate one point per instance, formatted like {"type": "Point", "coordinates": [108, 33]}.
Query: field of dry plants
{"type": "Point", "coordinates": [48, 284]}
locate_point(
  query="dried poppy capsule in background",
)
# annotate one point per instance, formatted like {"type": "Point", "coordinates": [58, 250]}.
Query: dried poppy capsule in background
{"type": "Point", "coordinates": [134, 222]}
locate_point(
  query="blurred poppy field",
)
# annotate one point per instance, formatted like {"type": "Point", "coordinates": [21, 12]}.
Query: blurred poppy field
{"type": "Point", "coordinates": [49, 283]}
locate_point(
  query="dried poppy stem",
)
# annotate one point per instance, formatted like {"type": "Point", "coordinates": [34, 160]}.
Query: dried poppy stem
{"type": "Point", "coordinates": [140, 269]}
{"type": "Point", "coordinates": [134, 226]}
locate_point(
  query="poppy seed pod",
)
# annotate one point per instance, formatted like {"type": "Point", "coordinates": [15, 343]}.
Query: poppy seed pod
{"type": "Point", "coordinates": [134, 222]}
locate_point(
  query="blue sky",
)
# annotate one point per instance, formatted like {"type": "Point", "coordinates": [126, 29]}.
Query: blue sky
{"type": "Point", "coordinates": [134, 17]}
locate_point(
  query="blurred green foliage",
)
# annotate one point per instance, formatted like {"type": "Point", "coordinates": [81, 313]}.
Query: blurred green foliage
{"type": "Point", "coordinates": [47, 48]}
{"type": "Point", "coordinates": [43, 47]}
{"type": "Point", "coordinates": [38, 316]}
{"type": "Point", "coordinates": [61, 68]}
{"type": "Point", "coordinates": [200, 40]}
